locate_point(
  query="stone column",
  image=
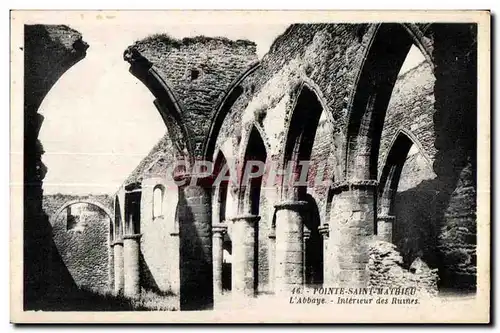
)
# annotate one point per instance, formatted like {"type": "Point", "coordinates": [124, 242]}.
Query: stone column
{"type": "Point", "coordinates": [195, 238]}
{"type": "Point", "coordinates": [118, 258]}
{"type": "Point", "coordinates": [111, 267]}
{"type": "Point", "coordinates": [218, 231]}
{"type": "Point", "coordinates": [306, 236]}
{"type": "Point", "coordinates": [289, 246]}
{"type": "Point", "coordinates": [324, 231]}
{"type": "Point", "coordinates": [272, 258]}
{"type": "Point", "coordinates": [131, 249]}
{"type": "Point", "coordinates": [384, 227]}
{"type": "Point", "coordinates": [175, 279]}
{"type": "Point", "coordinates": [352, 226]}
{"type": "Point", "coordinates": [243, 237]}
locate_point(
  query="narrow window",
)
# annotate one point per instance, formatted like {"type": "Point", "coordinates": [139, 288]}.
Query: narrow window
{"type": "Point", "coordinates": [157, 202]}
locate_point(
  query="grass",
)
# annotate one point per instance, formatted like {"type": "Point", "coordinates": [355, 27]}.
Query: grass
{"type": "Point", "coordinates": [90, 300]}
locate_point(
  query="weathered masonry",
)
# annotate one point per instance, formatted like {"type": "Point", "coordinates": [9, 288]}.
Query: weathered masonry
{"type": "Point", "coordinates": [49, 51]}
{"type": "Point", "coordinates": [395, 154]}
{"type": "Point", "coordinates": [400, 157]}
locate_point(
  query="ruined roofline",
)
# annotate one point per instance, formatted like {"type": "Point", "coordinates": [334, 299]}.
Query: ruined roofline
{"type": "Point", "coordinates": [168, 40]}
{"type": "Point", "coordinates": [71, 39]}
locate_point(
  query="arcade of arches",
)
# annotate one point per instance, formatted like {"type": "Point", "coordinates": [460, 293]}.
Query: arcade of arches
{"type": "Point", "coordinates": [395, 153]}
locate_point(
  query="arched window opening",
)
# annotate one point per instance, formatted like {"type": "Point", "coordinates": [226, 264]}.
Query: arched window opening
{"type": "Point", "coordinates": [157, 202]}
{"type": "Point", "coordinates": [118, 220]}
{"type": "Point", "coordinates": [132, 213]}
{"type": "Point", "coordinates": [300, 140]}
{"type": "Point", "coordinates": [227, 260]}
{"type": "Point", "coordinates": [251, 187]}
{"type": "Point", "coordinates": [391, 174]}
{"type": "Point", "coordinates": [313, 245]}
{"type": "Point", "coordinates": [221, 188]}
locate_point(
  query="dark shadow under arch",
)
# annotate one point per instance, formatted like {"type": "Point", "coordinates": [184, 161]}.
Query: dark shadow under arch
{"type": "Point", "coordinates": [313, 250]}
{"type": "Point", "coordinates": [388, 50]}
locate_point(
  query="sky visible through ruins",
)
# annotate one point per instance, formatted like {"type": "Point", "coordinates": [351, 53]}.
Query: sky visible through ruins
{"type": "Point", "coordinates": [100, 121]}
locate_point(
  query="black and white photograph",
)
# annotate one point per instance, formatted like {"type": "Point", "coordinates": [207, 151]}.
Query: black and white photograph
{"type": "Point", "coordinates": [250, 167]}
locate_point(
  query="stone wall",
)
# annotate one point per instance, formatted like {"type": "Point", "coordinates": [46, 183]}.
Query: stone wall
{"type": "Point", "coordinates": [49, 50]}
{"type": "Point", "coordinates": [84, 249]}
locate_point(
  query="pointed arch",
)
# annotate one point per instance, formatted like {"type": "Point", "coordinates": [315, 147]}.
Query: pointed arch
{"type": "Point", "coordinates": [118, 223]}
{"type": "Point", "coordinates": [389, 179]}
{"type": "Point", "coordinates": [301, 132]}
{"type": "Point", "coordinates": [106, 210]}
{"type": "Point", "coordinates": [221, 190]}
{"type": "Point", "coordinates": [384, 57]}
{"type": "Point", "coordinates": [404, 132]}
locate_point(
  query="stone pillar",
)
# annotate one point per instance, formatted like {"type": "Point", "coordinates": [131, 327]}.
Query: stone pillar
{"type": "Point", "coordinates": [175, 279]}
{"type": "Point", "coordinates": [118, 258]}
{"type": "Point", "coordinates": [324, 231]}
{"type": "Point", "coordinates": [384, 227]}
{"type": "Point", "coordinates": [195, 238]}
{"type": "Point", "coordinates": [272, 258]}
{"type": "Point", "coordinates": [218, 231]}
{"type": "Point", "coordinates": [289, 246]}
{"type": "Point", "coordinates": [111, 267]}
{"type": "Point", "coordinates": [306, 236]}
{"type": "Point", "coordinates": [131, 249]}
{"type": "Point", "coordinates": [243, 237]}
{"type": "Point", "coordinates": [352, 226]}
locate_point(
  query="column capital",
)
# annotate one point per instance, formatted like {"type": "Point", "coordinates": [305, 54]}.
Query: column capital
{"type": "Point", "coordinates": [219, 229]}
{"type": "Point", "coordinates": [174, 233]}
{"type": "Point", "coordinates": [132, 236]}
{"type": "Point", "coordinates": [186, 177]}
{"type": "Point", "coordinates": [292, 205]}
{"type": "Point", "coordinates": [324, 230]}
{"type": "Point", "coordinates": [386, 218]}
{"type": "Point", "coordinates": [350, 184]}
{"type": "Point", "coordinates": [246, 217]}
{"type": "Point", "coordinates": [117, 242]}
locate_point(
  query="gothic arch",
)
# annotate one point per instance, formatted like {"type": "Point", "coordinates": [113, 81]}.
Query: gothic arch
{"type": "Point", "coordinates": [385, 54]}
{"type": "Point", "coordinates": [404, 132]}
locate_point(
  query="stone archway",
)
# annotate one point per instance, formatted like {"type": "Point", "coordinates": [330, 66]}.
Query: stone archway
{"type": "Point", "coordinates": [453, 60]}
{"type": "Point", "coordinates": [83, 242]}
{"type": "Point", "coordinates": [49, 51]}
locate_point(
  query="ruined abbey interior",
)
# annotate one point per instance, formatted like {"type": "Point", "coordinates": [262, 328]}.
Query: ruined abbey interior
{"type": "Point", "coordinates": [390, 198]}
